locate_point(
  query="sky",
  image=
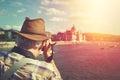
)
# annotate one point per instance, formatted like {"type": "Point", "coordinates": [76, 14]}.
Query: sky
{"type": "Point", "coordinates": [99, 16]}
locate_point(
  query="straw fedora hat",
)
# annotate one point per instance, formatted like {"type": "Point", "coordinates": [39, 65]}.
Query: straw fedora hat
{"type": "Point", "coordinates": [33, 29]}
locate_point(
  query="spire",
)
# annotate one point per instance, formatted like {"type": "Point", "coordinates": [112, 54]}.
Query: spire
{"type": "Point", "coordinates": [73, 29]}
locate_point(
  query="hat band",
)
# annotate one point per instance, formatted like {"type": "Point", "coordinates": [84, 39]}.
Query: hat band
{"type": "Point", "coordinates": [33, 33]}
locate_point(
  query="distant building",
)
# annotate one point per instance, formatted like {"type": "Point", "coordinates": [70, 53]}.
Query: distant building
{"type": "Point", "coordinates": [1, 31]}
{"type": "Point", "coordinates": [6, 35]}
{"type": "Point", "coordinates": [69, 35]}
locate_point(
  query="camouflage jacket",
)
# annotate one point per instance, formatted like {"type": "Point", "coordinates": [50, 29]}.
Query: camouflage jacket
{"type": "Point", "coordinates": [28, 71]}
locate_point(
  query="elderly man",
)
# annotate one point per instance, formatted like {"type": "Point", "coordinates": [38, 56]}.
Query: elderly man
{"type": "Point", "coordinates": [24, 61]}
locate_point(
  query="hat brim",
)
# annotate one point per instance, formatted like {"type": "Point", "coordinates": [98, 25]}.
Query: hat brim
{"type": "Point", "coordinates": [35, 37]}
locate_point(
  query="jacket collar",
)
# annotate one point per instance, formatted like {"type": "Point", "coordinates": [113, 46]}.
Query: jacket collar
{"type": "Point", "coordinates": [23, 52]}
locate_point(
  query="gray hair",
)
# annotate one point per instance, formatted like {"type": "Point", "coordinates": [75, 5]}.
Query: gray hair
{"type": "Point", "coordinates": [27, 43]}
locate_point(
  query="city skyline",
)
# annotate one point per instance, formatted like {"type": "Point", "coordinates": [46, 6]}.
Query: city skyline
{"type": "Point", "coordinates": [101, 16]}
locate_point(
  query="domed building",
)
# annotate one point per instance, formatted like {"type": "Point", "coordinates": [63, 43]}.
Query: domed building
{"type": "Point", "coordinates": [73, 35]}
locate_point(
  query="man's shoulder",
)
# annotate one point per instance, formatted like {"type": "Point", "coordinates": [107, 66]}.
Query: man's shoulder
{"type": "Point", "coordinates": [35, 68]}
{"type": "Point", "coordinates": [11, 56]}
{"type": "Point", "coordinates": [35, 72]}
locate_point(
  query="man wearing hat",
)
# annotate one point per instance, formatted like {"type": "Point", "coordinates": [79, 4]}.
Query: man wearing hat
{"type": "Point", "coordinates": [24, 61]}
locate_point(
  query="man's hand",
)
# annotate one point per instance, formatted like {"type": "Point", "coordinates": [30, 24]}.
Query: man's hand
{"type": "Point", "coordinates": [47, 49]}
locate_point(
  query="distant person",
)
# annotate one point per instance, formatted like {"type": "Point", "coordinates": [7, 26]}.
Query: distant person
{"type": "Point", "coordinates": [24, 61]}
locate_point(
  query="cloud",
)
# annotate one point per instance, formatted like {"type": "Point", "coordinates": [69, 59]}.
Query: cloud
{"type": "Point", "coordinates": [3, 11]}
{"type": "Point", "coordinates": [16, 3]}
{"type": "Point", "coordinates": [14, 27]}
{"type": "Point", "coordinates": [45, 2]}
{"type": "Point", "coordinates": [2, 1]}
{"type": "Point", "coordinates": [54, 2]}
{"type": "Point", "coordinates": [57, 19]}
{"type": "Point", "coordinates": [54, 11]}
{"type": "Point", "coordinates": [79, 17]}
{"type": "Point", "coordinates": [54, 29]}
{"type": "Point", "coordinates": [39, 11]}
{"type": "Point", "coordinates": [8, 27]}
{"type": "Point", "coordinates": [51, 11]}
{"type": "Point", "coordinates": [15, 15]}
{"type": "Point", "coordinates": [21, 10]}
{"type": "Point", "coordinates": [60, 2]}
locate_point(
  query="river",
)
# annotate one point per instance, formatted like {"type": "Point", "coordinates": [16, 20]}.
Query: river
{"type": "Point", "coordinates": [88, 61]}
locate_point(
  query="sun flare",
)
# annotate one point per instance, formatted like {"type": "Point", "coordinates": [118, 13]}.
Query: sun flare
{"type": "Point", "coordinates": [96, 15]}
